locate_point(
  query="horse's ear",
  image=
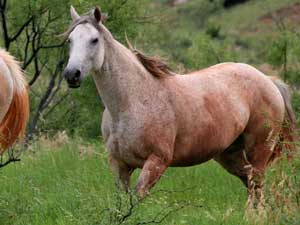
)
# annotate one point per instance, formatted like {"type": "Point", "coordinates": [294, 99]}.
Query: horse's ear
{"type": "Point", "coordinates": [98, 14]}
{"type": "Point", "coordinates": [74, 14]}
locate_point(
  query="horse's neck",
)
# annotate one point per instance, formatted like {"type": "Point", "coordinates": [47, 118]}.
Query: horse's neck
{"type": "Point", "coordinates": [122, 80]}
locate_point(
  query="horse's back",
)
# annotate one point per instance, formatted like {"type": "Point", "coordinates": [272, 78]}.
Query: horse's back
{"type": "Point", "coordinates": [234, 79]}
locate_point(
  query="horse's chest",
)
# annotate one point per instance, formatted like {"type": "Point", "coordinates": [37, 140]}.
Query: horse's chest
{"type": "Point", "coordinates": [134, 135]}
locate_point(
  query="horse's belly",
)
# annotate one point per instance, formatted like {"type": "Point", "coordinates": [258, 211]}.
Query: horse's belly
{"type": "Point", "coordinates": [195, 155]}
{"type": "Point", "coordinates": [197, 144]}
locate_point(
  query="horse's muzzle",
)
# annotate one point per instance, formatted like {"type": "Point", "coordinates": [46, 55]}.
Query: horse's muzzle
{"type": "Point", "coordinates": [73, 77]}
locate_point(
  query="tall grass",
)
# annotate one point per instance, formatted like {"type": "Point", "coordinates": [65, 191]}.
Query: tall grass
{"type": "Point", "coordinates": [68, 181]}
{"type": "Point", "coordinates": [282, 192]}
{"type": "Point", "coordinates": [71, 183]}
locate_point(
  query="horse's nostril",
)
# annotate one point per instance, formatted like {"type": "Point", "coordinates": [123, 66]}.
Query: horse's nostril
{"type": "Point", "coordinates": [77, 74]}
{"type": "Point", "coordinates": [66, 74]}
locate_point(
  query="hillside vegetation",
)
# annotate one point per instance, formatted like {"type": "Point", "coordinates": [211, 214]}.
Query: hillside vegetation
{"type": "Point", "coordinates": [64, 178]}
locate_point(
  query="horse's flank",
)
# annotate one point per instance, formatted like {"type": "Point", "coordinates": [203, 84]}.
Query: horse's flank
{"type": "Point", "coordinates": [14, 122]}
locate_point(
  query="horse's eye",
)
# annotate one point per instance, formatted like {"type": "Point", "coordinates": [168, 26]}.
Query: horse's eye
{"type": "Point", "coordinates": [94, 41]}
{"type": "Point", "coordinates": [69, 41]}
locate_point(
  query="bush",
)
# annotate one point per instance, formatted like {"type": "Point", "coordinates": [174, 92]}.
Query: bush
{"type": "Point", "coordinates": [283, 53]}
{"type": "Point", "coordinates": [206, 52]}
{"type": "Point", "coordinates": [199, 11]}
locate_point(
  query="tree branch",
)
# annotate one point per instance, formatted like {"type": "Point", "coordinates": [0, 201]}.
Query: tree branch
{"type": "Point", "coordinates": [21, 29]}
{"type": "Point", "coordinates": [4, 24]}
{"type": "Point", "coordinates": [11, 157]}
{"type": "Point", "coordinates": [10, 160]}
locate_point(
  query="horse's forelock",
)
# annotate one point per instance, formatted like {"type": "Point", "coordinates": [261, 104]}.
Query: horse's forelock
{"type": "Point", "coordinates": [82, 20]}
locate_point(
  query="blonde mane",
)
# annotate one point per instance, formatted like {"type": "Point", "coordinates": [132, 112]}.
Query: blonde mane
{"type": "Point", "coordinates": [13, 125]}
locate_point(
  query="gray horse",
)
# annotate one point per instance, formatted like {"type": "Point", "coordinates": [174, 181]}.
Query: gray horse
{"type": "Point", "coordinates": [155, 118]}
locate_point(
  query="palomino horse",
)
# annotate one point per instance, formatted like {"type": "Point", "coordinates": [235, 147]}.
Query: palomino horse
{"type": "Point", "coordinates": [155, 118]}
{"type": "Point", "coordinates": [14, 103]}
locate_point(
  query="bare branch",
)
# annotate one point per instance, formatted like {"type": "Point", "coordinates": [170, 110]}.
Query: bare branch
{"type": "Point", "coordinates": [11, 157]}
{"type": "Point", "coordinates": [161, 216]}
{"type": "Point", "coordinates": [56, 104]}
{"type": "Point", "coordinates": [131, 208]}
{"type": "Point", "coordinates": [37, 72]}
{"type": "Point", "coordinates": [4, 23]}
{"type": "Point", "coordinates": [10, 160]}
{"type": "Point", "coordinates": [125, 213]}
{"type": "Point", "coordinates": [53, 46]}
{"type": "Point", "coordinates": [21, 29]}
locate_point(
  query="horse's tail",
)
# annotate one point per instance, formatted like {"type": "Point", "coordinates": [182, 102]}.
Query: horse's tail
{"type": "Point", "coordinates": [287, 135]}
{"type": "Point", "coordinates": [13, 125]}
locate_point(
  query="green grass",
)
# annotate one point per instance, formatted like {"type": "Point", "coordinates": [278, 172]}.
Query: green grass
{"type": "Point", "coordinates": [60, 185]}
{"type": "Point", "coordinates": [69, 182]}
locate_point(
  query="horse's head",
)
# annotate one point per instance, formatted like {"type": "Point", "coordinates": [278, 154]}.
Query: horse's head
{"type": "Point", "coordinates": [86, 46]}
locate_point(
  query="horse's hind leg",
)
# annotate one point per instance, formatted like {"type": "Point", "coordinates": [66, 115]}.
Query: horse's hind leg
{"type": "Point", "coordinates": [260, 141]}
{"type": "Point", "coordinates": [237, 163]}
{"type": "Point", "coordinates": [234, 161]}
{"type": "Point", "coordinates": [247, 158]}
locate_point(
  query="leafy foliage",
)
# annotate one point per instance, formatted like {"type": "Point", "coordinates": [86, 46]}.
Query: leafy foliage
{"type": "Point", "coordinates": [205, 52]}
{"type": "Point", "coordinates": [38, 45]}
{"type": "Point", "coordinates": [284, 54]}
{"type": "Point", "coordinates": [199, 11]}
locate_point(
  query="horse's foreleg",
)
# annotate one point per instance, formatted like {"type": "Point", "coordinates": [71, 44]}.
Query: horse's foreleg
{"type": "Point", "coordinates": [152, 170]}
{"type": "Point", "coordinates": [122, 172]}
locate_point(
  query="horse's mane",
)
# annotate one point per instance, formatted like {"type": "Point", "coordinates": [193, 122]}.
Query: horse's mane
{"type": "Point", "coordinates": [154, 65]}
{"type": "Point", "coordinates": [13, 125]}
